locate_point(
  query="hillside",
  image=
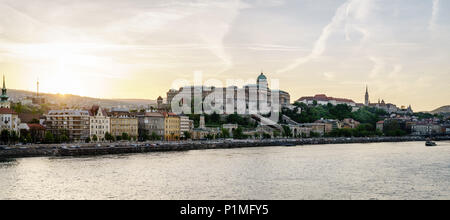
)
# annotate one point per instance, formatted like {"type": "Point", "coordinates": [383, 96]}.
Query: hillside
{"type": "Point", "coordinates": [443, 109]}
{"type": "Point", "coordinates": [80, 101]}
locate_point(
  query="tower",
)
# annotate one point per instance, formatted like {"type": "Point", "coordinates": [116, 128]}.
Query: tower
{"type": "Point", "coordinates": [4, 103]}
{"type": "Point", "coordinates": [366, 100]}
{"type": "Point", "coordinates": [37, 88]}
{"type": "Point", "coordinates": [262, 83]}
{"type": "Point", "coordinates": [160, 102]}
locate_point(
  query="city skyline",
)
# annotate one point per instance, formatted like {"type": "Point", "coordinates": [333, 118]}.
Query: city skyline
{"type": "Point", "coordinates": [116, 49]}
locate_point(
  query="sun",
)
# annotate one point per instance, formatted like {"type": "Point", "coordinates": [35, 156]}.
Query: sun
{"type": "Point", "coordinates": [64, 67]}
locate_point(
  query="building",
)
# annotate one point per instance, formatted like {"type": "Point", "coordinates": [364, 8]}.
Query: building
{"type": "Point", "coordinates": [38, 99]}
{"type": "Point", "coordinates": [299, 131]}
{"type": "Point", "coordinates": [123, 122]}
{"type": "Point", "coordinates": [230, 128]}
{"type": "Point", "coordinates": [4, 99]}
{"type": "Point", "coordinates": [99, 123]}
{"type": "Point", "coordinates": [380, 126]}
{"type": "Point", "coordinates": [388, 107]}
{"type": "Point", "coordinates": [366, 97]}
{"type": "Point", "coordinates": [151, 123]}
{"type": "Point", "coordinates": [425, 129]}
{"type": "Point", "coordinates": [186, 125]}
{"type": "Point", "coordinates": [235, 95]}
{"type": "Point", "coordinates": [9, 120]}
{"type": "Point", "coordinates": [202, 133]}
{"type": "Point", "coordinates": [330, 124]}
{"type": "Point", "coordinates": [322, 99]}
{"type": "Point", "coordinates": [318, 128]}
{"type": "Point", "coordinates": [36, 132]}
{"type": "Point", "coordinates": [171, 127]}
{"type": "Point", "coordinates": [349, 123]}
{"type": "Point", "coordinates": [73, 123]}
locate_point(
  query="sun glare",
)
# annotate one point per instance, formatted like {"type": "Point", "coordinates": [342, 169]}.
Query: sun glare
{"type": "Point", "coordinates": [63, 66]}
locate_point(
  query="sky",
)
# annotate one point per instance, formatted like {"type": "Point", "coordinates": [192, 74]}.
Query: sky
{"type": "Point", "coordinates": [138, 48]}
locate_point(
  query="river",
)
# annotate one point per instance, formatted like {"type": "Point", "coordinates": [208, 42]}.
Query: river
{"type": "Point", "coordinates": [406, 170]}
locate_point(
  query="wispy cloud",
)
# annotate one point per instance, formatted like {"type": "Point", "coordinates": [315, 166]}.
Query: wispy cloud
{"type": "Point", "coordinates": [358, 9]}
{"type": "Point", "coordinates": [434, 15]}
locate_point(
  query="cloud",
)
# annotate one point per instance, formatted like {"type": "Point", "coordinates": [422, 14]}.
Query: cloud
{"type": "Point", "coordinates": [358, 9]}
{"type": "Point", "coordinates": [378, 67]}
{"type": "Point", "coordinates": [434, 15]}
{"type": "Point", "coordinates": [329, 75]}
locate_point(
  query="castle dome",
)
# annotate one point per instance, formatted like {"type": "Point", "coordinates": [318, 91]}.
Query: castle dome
{"type": "Point", "coordinates": [261, 77]}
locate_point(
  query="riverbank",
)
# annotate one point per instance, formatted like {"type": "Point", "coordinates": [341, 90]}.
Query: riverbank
{"type": "Point", "coordinates": [63, 150]}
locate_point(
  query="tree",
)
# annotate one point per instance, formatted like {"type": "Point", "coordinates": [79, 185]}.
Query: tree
{"type": "Point", "coordinates": [276, 134]}
{"type": "Point", "coordinates": [314, 134]}
{"type": "Point", "coordinates": [94, 138]}
{"type": "Point", "coordinates": [49, 137]}
{"type": "Point", "coordinates": [287, 131]}
{"type": "Point", "coordinates": [14, 137]}
{"type": "Point", "coordinates": [64, 138]}
{"type": "Point", "coordinates": [87, 140]}
{"type": "Point", "coordinates": [155, 137]}
{"type": "Point", "coordinates": [225, 133]}
{"type": "Point", "coordinates": [238, 133]}
{"type": "Point", "coordinates": [34, 121]}
{"type": "Point", "coordinates": [5, 136]}
{"type": "Point", "coordinates": [109, 137]}
{"type": "Point", "coordinates": [187, 135]}
{"type": "Point", "coordinates": [267, 136]}
{"type": "Point", "coordinates": [125, 137]}
{"type": "Point", "coordinates": [394, 128]}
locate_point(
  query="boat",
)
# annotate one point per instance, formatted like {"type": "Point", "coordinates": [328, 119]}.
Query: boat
{"type": "Point", "coordinates": [430, 144]}
{"type": "Point", "coordinates": [289, 145]}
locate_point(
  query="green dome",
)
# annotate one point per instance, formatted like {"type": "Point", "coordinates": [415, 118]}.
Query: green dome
{"type": "Point", "coordinates": [262, 78]}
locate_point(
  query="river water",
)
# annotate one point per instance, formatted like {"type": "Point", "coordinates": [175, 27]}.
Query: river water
{"type": "Point", "coordinates": [353, 171]}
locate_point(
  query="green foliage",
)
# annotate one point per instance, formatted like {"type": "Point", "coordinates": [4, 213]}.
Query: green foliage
{"type": "Point", "coordinates": [155, 137]}
{"type": "Point", "coordinates": [313, 134]}
{"type": "Point", "coordinates": [239, 133]}
{"type": "Point", "coordinates": [311, 114]}
{"type": "Point", "coordinates": [363, 130]}
{"type": "Point", "coordinates": [225, 133]}
{"type": "Point", "coordinates": [109, 137]}
{"type": "Point", "coordinates": [5, 135]}
{"type": "Point", "coordinates": [287, 132]}
{"type": "Point", "coordinates": [266, 136]}
{"type": "Point", "coordinates": [215, 120]}
{"type": "Point", "coordinates": [35, 121]}
{"type": "Point", "coordinates": [394, 128]}
{"type": "Point", "coordinates": [49, 138]}
{"type": "Point", "coordinates": [64, 138]}
{"type": "Point", "coordinates": [88, 140]}
{"type": "Point", "coordinates": [94, 138]}
{"type": "Point", "coordinates": [125, 137]}
{"type": "Point", "coordinates": [276, 134]}
{"type": "Point", "coordinates": [187, 135]}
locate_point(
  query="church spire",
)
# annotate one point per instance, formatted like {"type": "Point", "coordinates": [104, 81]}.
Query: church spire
{"type": "Point", "coordinates": [4, 97]}
{"type": "Point", "coordinates": [366, 98]}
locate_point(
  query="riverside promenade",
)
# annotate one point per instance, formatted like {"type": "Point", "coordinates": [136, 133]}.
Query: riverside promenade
{"type": "Point", "coordinates": [74, 149]}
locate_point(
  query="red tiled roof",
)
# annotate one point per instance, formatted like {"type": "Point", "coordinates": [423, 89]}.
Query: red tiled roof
{"type": "Point", "coordinates": [7, 111]}
{"type": "Point", "coordinates": [36, 126]}
{"type": "Point", "coordinates": [169, 114]}
{"type": "Point", "coordinates": [28, 117]}
{"type": "Point", "coordinates": [323, 97]}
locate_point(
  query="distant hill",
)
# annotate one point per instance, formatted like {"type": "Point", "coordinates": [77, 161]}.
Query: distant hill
{"type": "Point", "coordinates": [80, 101]}
{"type": "Point", "coordinates": [443, 109]}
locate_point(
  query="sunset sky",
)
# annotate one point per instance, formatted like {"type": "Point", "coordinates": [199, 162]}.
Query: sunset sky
{"type": "Point", "coordinates": [137, 48]}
